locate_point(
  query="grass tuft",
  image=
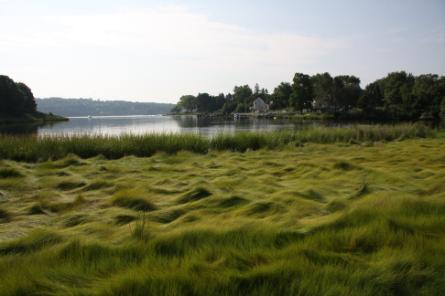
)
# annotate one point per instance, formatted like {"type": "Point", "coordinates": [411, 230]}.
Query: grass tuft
{"type": "Point", "coordinates": [37, 209]}
{"type": "Point", "coordinates": [97, 185]}
{"type": "Point", "coordinates": [124, 219]}
{"type": "Point", "coordinates": [128, 199]}
{"type": "Point", "coordinates": [5, 216]}
{"type": "Point", "coordinates": [140, 230]}
{"type": "Point", "coordinates": [343, 165]}
{"type": "Point", "coordinates": [166, 217]}
{"type": "Point", "coordinates": [6, 173]}
{"type": "Point", "coordinates": [312, 194]}
{"type": "Point", "coordinates": [195, 195]}
{"type": "Point", "coordinates": [70, 185]}
{"type": "Point", "coordinates": [33, 242]}
{"type": "Point", "coordinates": [361, 191]}
{"type": "Point", "coordinates": [75, 220]}
{"type": "Point", "coordinates": [232, 201]}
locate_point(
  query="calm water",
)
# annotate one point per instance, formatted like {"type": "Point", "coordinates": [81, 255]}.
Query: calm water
{"type": "Point", "coordinates": [117, 125]}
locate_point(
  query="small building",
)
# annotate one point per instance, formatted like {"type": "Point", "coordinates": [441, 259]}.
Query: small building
{"type": "Point", "coordinates": [260, 106]}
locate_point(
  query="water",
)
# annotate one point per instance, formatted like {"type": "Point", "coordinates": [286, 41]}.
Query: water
{"type": "Point", "coordinates": [118, 125]}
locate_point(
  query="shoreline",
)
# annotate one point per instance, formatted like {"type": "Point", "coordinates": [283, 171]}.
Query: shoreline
{"type": "Point", "coordinates": [36, 118]}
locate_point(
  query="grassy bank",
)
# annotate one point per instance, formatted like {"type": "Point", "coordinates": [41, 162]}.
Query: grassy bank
{"type": "Point", "coordinates": [34, 148]}
{"type": "Point", "coordinates": [317, 219]}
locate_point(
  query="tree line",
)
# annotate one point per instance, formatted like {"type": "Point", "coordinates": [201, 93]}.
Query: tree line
{"type": "Point", "coordinates": [86, 107]}
{"type": "Point", "coordinates": [398, 96]}
{"type": "Point", "coordinates": [16, 98]}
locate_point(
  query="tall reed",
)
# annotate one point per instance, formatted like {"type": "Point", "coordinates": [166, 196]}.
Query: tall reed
{"type": "Point", "coordinates": [33, 148]}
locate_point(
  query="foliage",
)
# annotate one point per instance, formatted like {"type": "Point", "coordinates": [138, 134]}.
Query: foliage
{"type": "Point", "coordinates": [398, 96]}
{"type": "Point", "coordinates": [302, 92]}
{"type": "Point", "coordinates": [281, 96]}
{"type": "Point", "coordinates": [16, 99]}
{"type": "Point", "coordinates": [442, 108]}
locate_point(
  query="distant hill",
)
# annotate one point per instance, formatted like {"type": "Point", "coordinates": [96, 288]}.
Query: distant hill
{"type": "Point", "coordinates": [86, 107]}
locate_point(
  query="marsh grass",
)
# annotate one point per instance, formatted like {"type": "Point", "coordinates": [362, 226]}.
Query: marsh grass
{"type": "Point", "coordinates": [33, 242]}
{"type": "Point", "coordinates": [45, 148]}
{"type": "Point", "coordinates": [317, 219]}
{"type": "Point", "coordinates": [6, 173]}
{"type": "Point", "coordinates": [37, 209]}
{"type": "Point", "coordinates": [5, 216]}
{"type": "Point", "coordinates": [132, 200]}
{"type": "Point", "coordinates": [195, 195]}
{"type": "Point", "coordinates": [140, 230]}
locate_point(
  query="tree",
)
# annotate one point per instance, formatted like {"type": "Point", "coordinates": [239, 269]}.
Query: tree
{"type": "Point", "coordinates": [243, 97]}
{"type": "Point", "coordinates": [242, 93]}
{"type": "Point", "coordinates": [188, 102]}
{"type": "Point", "coordinates": [347, 91]}
{"type": "Point", "coordinates": [256, 90]}
{"type": "Point", "coordinates": [398, 98]}
{"type": "Point", "coordinates": [229, 107]}
{"type": "Point", "coordinates": [29, 104]}
{"type": "Point", "coordinates": [442, 108]}
{"type": "Point", "coordinates": [203, 102]}
{"type": "Point", "coordinates": [372, 97]}
{"type": "Point", "coordinates": [302, 92]}
{"type": "Point", "coordinates": [12, 99]}
{"type": "Point", "coordinates": [281, 95]}
{"type": "Point", "coordinates": [208, 104]}
{"type": "Point", "coordinates": [427, 92]}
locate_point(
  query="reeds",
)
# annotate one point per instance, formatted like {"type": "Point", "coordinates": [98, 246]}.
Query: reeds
{"type": "Point", "coordinates": [34, 148]}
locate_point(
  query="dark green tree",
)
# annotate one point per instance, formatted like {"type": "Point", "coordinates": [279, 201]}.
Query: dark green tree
{"type": "Point", "coordinates": [324, 92]}
{"type": "Point", "coordinates": [188, 103]}
{"type": "Point", "coordinates": [12, 99]}
{"type": "Point", "coordinates": [398, 97]}
{"type": "Point", "coordinates": [372, 97]}
{"type": "Point", "coordinates": [207, 104]}
{"type": "Point", "coordinates": [281, 96]}
{"type": "Point", "coordinates": [302, 92]}
{"type": "Point", "coordinates": [347, 91]}
{"type": "Point", "coordinates": [442, 108]}
{"type": "Point", "coordinates": [29, 104]}
{"type": "Point", "coordinates": [427, 93]}
{"type": "Point", "coordinates": [242, 93]}
{"type": "Point", "coordinates": [203, 102]}
{"type": "Point", "coordinates": [243, 96]}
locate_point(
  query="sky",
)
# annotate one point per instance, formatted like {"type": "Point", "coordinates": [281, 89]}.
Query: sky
{"type": "Point", "coordinates": [159, 50]}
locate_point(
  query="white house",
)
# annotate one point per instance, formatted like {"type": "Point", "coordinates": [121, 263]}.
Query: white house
{"type": "Point", "coordinates": [260, 106]}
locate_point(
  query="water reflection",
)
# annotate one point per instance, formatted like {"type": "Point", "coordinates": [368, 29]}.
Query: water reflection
{"type": "Point", "coordinates": [19, 129]}
{"type": "Point", "coordinates": [118, 125]}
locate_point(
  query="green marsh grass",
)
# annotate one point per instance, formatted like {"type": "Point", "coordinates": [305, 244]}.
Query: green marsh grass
{"type": "Point", "coordinates": [46, 148]}
{"type": "Point", "coordinates": [316, 219]}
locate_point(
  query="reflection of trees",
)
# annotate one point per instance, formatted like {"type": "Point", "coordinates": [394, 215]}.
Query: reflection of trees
{"type": "Point", "coordinates": [23, 128]}
{"type": "Point", "coordinates": [185, 121]}
{"type": "Point", "coordinates": [19, 129]}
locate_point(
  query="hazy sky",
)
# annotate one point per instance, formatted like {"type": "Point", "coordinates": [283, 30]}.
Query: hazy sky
{"type": "Point", "coordinates": [160, 50]}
